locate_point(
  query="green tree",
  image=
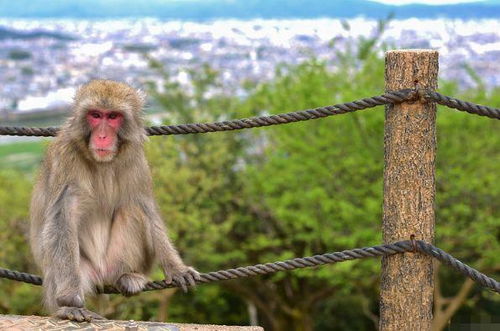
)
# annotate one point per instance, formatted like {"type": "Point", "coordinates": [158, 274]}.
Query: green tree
{"type": "Point", "coordinates": [467, 207]}
{"type": "Point", "coordinates": [16, 298]}
{"type": "Point", "coordinates": [217, 199]}
{"type": "Point", "coordinates": [320, 186]}
{"type": "Point", "coordinates": [254, 196]}
{"type": "Point", "coordinates": [274, 193]}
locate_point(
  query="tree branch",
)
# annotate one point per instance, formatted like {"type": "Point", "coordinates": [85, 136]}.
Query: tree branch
{"type": "Point", "coordinates": [445, 307]}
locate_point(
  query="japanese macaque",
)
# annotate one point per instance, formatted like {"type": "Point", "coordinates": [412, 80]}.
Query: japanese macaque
{"type": "Point", "coordinates": [94, 220]}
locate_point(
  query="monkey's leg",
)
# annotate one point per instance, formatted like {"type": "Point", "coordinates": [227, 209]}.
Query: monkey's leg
{"type": "Point", "coordinates": [66, 309]}
{"type": "Point", "coordinates": [128, 256]}
{"type": "Point", "coordinates": [131, 283]}
{"type": "Point", "coordinates": [64, 280]}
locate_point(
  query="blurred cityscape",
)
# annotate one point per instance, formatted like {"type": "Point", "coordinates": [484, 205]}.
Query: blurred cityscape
{"type": "Point", "coordinates": [43, 61]}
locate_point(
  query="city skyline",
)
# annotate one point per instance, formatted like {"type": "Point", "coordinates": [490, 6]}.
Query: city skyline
{"type": "Point", "coordinates": [42, 71]}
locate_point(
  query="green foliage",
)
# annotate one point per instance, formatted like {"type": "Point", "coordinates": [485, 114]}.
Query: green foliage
{"type": "Point", "coordinates": [305, 188]}
{"type": "Point", "coordinates": [310, 179]}
{"type": "Point", "coordinates": [468, 197]}
{"type": "Point", "coordinates": [24, 156]}
{"type": "Point", "coordinates": [16, 298]}
{"type": "Point", "coordinates": [267, 194]}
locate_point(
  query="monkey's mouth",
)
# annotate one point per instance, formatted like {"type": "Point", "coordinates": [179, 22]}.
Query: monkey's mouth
{"type": "Point", "coordinates": [103, 152]}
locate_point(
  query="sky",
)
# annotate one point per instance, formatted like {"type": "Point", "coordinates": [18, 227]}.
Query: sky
{"type": "Point", "coordinates": [427, 2]}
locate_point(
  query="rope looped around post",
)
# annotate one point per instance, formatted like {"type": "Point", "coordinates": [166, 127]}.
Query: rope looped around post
{"type": "Point", "coordinates": [297, 116]}
{"type": "Point", "coordinates": [245, 123]}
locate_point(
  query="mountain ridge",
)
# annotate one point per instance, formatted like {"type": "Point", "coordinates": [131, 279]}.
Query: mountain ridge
{"type": "Point", "coordinates": [8, 33]}
{"type": "Point", "coordinates": [240, 9]}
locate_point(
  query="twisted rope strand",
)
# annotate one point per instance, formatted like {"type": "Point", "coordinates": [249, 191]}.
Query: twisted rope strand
{"type": "Point", "coordinates": [303, 262]}
{"type": "Point", "coordinates": [297, 263]}
{"type": "Point", "coordinates": [461, 267]}
{"type": "Point", "coordinates": [301, 115]}
{"type": "Point", "coordinates": [24, 131]}
{"type": "Point", "coordinates": [20, 276]}
{"type": "Point", "coordinates": [245, 123]}
{"type": "Point", "coordinates": [461, 105]}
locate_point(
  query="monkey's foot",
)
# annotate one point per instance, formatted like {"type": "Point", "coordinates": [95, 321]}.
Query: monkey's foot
{"type": "Point", "coordinates": [184, 278]}
{"type": "Point", "coordinates": [131, 283]}
{"type": "Point", "coordinates": [77, 314]}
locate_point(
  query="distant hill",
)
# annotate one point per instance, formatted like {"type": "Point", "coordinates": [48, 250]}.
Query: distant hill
{"type": "Point", "coordinates": [239, 9]}
{"type": "Point", "coordinates": [14, 34]}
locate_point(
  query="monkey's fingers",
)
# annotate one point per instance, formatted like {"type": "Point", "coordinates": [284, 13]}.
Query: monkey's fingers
{"type": "Point", "coordinates": [77, 314]}
{"type": "Point", "coordinates": [68, 313]}
{"type": "Point", "coordinates": [190, 279]}
{"type": "Point", "coordinates": [187, 279]}
{"type": "Point", "coordinates": [90, 315]}
{"type": "Point", "coordinates": [195, 273]}
{"type": "Point", "coordinates": [179, 280]}
{"type": "Point", "coordinates": [192, 276]}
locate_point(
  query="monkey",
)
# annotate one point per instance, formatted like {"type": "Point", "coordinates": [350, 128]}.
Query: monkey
{"type": "Point", "coordinates": [93, 217]}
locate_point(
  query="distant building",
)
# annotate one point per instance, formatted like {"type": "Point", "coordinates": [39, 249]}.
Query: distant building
{"type": "Point", "coordinates": [56, 99]}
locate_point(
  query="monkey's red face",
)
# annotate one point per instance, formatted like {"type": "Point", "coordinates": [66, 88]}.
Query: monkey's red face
{"type": "Point", "coordinates": [104, 126]}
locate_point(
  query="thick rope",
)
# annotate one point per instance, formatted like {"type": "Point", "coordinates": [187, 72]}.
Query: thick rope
{"type": "Point", "coordinates": [304, 262]}
{"type": "Point", "coordinates": [461, 267]}
{"type": "Point", "coordinates": [301, 115]}
{"type": "Point", "coordinates": [461, 105]}
{"type": "Point", "coordinates": [297, 116]}
{"type": "Point", "coordinates": [297, 263]}
{"type": "Point", "coordinates": [245, 123]}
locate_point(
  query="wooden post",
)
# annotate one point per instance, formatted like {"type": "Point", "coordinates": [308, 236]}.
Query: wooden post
{"type": "Point", "coordinates": [406, 291]}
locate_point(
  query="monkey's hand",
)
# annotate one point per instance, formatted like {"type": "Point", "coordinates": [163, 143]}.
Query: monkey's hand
{"type": "Point", "coordinates": [181, 275]}
{"type": "Point", "coordinates": [78, 314]}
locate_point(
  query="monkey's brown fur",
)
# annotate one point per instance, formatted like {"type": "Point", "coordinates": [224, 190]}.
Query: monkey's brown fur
{"type": "Point", "coordinates": [96, 223]}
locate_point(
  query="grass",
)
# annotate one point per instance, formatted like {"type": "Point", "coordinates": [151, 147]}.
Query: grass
{"type": "Point", "coordinates": [23, 156]}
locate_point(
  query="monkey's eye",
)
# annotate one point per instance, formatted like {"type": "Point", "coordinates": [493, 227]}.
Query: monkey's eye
{"type": "Point", "coordinates": [95, 114]}
{"type": "Point", "coordinates": [112, 116]}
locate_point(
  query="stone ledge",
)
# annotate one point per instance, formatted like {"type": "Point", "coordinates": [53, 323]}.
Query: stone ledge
{"type": "Point", "coordinates": [18, 323]}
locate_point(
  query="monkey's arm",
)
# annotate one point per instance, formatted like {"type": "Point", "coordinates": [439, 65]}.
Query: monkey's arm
{"type": "Point", "coordinates": [170, 261]}
{"type": "Point", "coordinates": [59, 240]}
{"type": "Point", "coordinates": [63, 279]}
